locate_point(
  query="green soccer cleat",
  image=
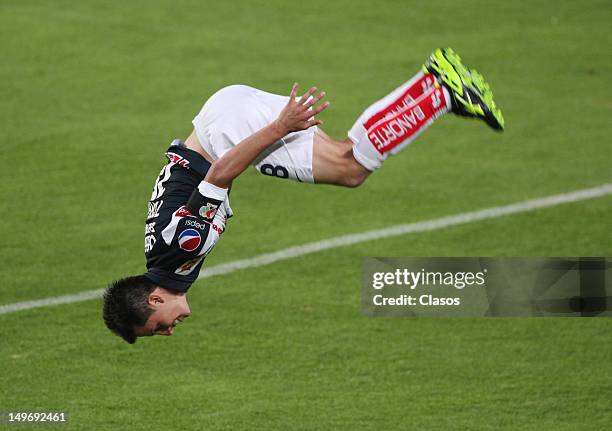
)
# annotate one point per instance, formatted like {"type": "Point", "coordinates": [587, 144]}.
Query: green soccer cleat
{"type": "Point", "coordinates": [471, 96]}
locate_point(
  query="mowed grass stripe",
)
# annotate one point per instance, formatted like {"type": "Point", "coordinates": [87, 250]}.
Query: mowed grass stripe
{"type": "Point", "coordinates": [345, 240]}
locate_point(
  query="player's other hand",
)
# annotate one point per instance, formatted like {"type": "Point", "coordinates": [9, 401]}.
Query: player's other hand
{"type": "Point", "coordinates": [300, 112]}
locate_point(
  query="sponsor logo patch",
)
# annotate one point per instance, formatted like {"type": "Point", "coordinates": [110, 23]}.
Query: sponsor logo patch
{"type": "Point", "coordinates": [175, 158]}
{"type": "Point", "coordinates": [398, 126]}
{"type": "Point", "coordinates": [403, 102]}
{"type": "Point", "coordinates": [183, 212]}
{"type": "Point", "coordinates": [218, 229]}
{"type": "Point", "coordinates": [188, 267]}
{"type": "Point", "coordinates": [189, 239]}
{"type": "Point", "coordinates": [208, 211]}
{"type": "Point", "coordinates": [194, 223]}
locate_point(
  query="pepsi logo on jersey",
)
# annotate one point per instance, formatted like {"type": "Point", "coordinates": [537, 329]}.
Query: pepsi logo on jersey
{"type": "Point", "coordinates": [189, 239]}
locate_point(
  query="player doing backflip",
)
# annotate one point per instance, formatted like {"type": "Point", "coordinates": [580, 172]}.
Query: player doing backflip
{"type": "Point", "coordinates": [241, 126]}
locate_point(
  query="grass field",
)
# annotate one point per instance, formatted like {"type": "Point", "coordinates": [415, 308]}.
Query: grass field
{"type": "Point", "coordinates": [92, 93]}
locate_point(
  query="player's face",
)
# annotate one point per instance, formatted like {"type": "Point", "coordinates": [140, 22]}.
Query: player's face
{"type": "Point", "coordinates": [170, 310]}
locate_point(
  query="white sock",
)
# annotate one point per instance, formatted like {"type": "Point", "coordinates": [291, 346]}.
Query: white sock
{"type": "Point", "coordinates": [389, 125]}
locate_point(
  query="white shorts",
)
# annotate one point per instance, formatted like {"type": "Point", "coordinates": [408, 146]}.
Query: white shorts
{"type": "Point", "coordinates": [236, 112]}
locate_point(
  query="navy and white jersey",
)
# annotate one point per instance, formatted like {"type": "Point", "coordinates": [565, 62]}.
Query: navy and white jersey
{"type": "Point", "coordinates": [185, 219]}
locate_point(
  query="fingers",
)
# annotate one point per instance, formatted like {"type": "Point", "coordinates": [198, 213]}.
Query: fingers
{"type": "Point", "coordinates": [307, 101]}
{"type": "Point", "coordinates": [313, 122]}
{"type": "Point", "coordinates": [307, 95]}
{"type": "Point", "coordinates": [314, 99]}
{"type": "Point", "coordinates": [300, 112]}
{"type": "Point", "coordinates": [310, 111]}
{"type": "Point", "coordinates": [294, 91]}
{"type": "Point", "coordinates": [319, 109]}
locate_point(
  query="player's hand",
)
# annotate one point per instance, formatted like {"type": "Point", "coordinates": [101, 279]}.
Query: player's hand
{"type": "Point", "coordinates": [300, 112]}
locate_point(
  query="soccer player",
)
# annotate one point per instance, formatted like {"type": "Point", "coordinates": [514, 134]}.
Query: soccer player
{"type": "Point", "coordinates": [241, 126]}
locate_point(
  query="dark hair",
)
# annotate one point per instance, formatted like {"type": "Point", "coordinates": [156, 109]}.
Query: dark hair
{"type": "Point", "coordinates": [126, 305]}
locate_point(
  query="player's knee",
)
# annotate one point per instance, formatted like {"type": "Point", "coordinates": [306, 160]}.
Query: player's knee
{"type": "Point", "coordinates": [354, 172]}
{"type": "Point", "coordinates": [355, 178]}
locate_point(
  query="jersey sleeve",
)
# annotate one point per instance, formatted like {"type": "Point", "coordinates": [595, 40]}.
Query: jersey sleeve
{"type": "Point", "coordinates": [210, 203]}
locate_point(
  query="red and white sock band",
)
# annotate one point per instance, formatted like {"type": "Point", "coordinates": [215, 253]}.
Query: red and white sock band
{"type": "Point", "coordinates": [390, 124]}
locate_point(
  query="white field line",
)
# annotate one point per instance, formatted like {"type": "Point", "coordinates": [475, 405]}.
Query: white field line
{"type": "Point", "coordinates": [341, 241]}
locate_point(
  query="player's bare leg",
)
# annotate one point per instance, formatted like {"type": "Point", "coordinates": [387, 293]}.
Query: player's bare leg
{"type": "Point", "coordinates": [333, 162]}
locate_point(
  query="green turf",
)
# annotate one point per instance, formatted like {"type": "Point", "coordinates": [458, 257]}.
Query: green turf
{"type": "Point", "coordinates": [92, 92]}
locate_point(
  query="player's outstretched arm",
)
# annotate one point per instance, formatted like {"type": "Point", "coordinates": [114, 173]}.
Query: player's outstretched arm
{"type": "Point", "coordinates": [299, 114]}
